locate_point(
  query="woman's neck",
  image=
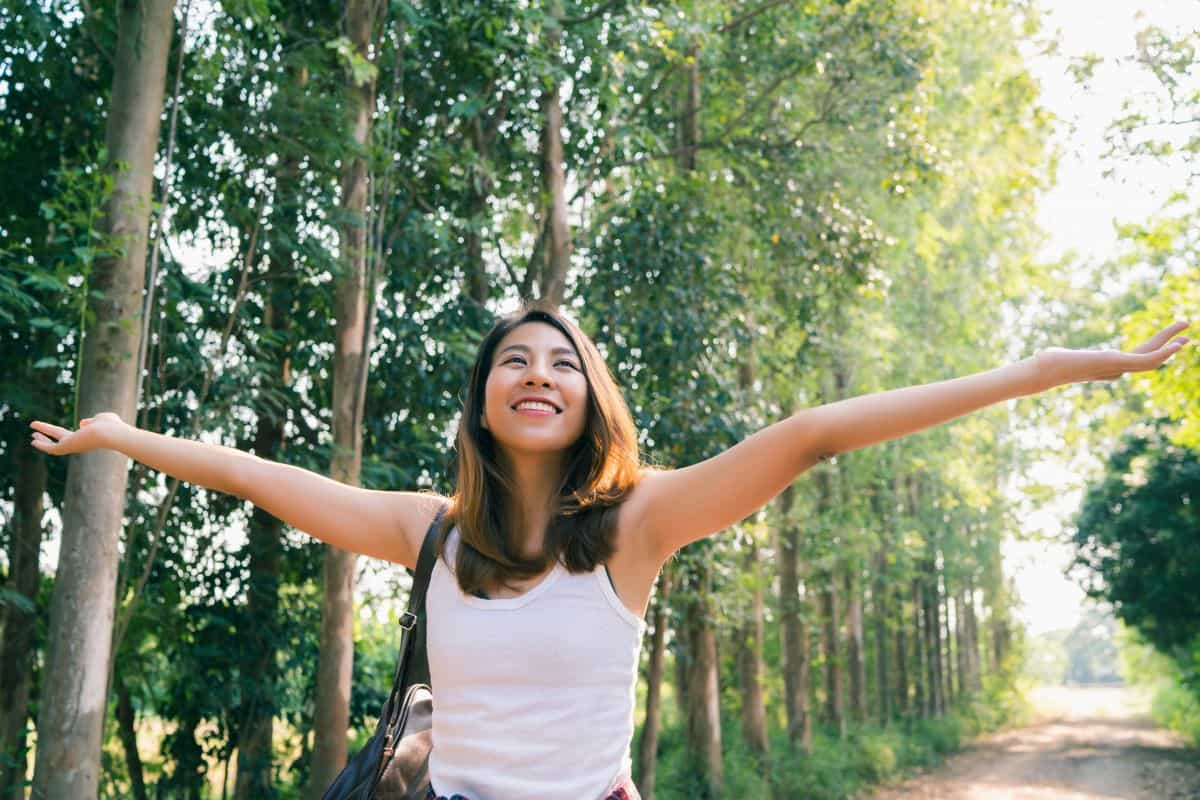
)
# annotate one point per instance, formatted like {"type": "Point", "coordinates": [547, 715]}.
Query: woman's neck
{"type": "Point", "coordinates": [537, 479]}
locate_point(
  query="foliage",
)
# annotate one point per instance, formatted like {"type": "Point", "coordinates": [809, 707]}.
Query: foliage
{"type": "Point", "coordinates": [1135, 537]}
{"type": "Point", "coordinates": [1173, 681]}
{"type": "Point", "coordinates": [840, 768]}
{"type": "Point", "coordinates": [855, 214]}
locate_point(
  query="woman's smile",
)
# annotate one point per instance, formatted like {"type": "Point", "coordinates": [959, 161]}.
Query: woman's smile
{"type": "Point", "coordinates": [535, 412]}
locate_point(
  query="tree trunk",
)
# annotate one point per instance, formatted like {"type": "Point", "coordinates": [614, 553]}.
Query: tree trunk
{"type": "Point", "coordinates": [750, 639]}
{"type": "Point", "coordinates": [557, 250]}
{"type": "Point", "coordinates": [702, 677]}
{"type": "Point", "coordinates": [127, 731]}
{"type": "Point", "coordinates": [704, 691]}
{"type": "Point", "coordinates": [948, 676]}
{"type": "Point", "coordinates": [855, 650]}
{"type": "Point", "coordinates": [350, 365]}
{"type": "Point", "coordinates": [972, 623]}
{"type": "Point", "coordinates": [647, 755]}
{"type": "Point", "coordinates": [680, 652]}
{"type": "Point", "coordinates": [922, 692]}
{"type": "Point", "coordinates": [259, 674]}
{"type": "Point", "coordinates": [749, 659]}
{"type": "Point", "coordinates": [835, 699]}
{"type": "Point", "coordinates": [17, 648]}
{"type": "Point", "coordinates": [478, 190]}
{"type": "Point", "coordinates": [795, 636]}
{"type": "Point", "coordinates": [960, 651]}
{"type": "Point", "coordinates": [256, 717]}
{"type": "Point", "coordinates": [73, 696]}
{"type": "Point", "coordinates": [932, 643]}
{"type": "Point", "coordinates": [184, 753]}
{"type": "Point", "coordinates": [939, 623]}
{"type": "Point", "coordinates": [881, 613]}
{"type": "Point", "coordinates": [902, 683]}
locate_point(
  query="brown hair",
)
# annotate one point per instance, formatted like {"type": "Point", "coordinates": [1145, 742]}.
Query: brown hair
{"type": "Point", "coordinates": [601, 467]}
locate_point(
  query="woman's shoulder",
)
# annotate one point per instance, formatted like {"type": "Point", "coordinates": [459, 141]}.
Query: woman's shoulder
{"type": "Point", "coordinates": [415, 513]}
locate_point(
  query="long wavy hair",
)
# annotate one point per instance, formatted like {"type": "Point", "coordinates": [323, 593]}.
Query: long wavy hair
{"type": "Point", "coordinates": [602, 466]}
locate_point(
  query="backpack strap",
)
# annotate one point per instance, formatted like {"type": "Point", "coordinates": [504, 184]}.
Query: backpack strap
{"type": "Point", "coordinates": [412, 665]}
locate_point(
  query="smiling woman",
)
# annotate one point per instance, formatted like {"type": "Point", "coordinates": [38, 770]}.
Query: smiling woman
{"type": "Point", "coordinates": [551, 542]}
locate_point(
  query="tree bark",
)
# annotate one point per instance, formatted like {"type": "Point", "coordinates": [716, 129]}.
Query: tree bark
{"type": "Point", "coordinates": [795, 636]}
{"type": "Point", "coordinates": [557, 251]}
{"type": "Point", "coordinates": [647, 755]}
{"type": "Point", "coordinates": [749, 659]}
{"type": "Point", "coordinates": [73, 697]}
{"type": "Point", "coordinates": [882, 613]}
{"type": "Point", "coordinates": [750, 640]}
{"type": "Point", "coordinates": [17, 647]}
{"type": "Point", "coordinates": [922, 693]}
{"type": "Point", "coordinates": [948, 675]}
{"type": "Point", "coordinates": [127, 731]}
{"type": "Point", "coordinates": [901, 693]}
{"type": "Point", "coordinates": [972, 623]}
{"type": "Point", "coordinates": [704, 691]}
{"type": "Point", "coordinates": [256, 717]}
{"type": "Point", "coordinates": [479, 189]}
{"type": "Point", "coordinates": [680, 652]}
{"type": "Point", "coordinates": [702, 676]}
{"type": "Point", "coordinates": [939, 626]}
{"type": "Point", "coordinates": [855, 650]}
{"type": "Point", "coordinates": [960, 652]}
{"type": "Point", "coordinates": [835, 699]}
{"type": "Point", "coordinates": [351, 351]}
{"type": "Point", "coordinates": [932, 643]}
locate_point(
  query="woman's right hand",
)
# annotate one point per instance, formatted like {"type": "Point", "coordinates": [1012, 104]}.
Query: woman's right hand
{"type": "Point", "coordinates": [94, 433]}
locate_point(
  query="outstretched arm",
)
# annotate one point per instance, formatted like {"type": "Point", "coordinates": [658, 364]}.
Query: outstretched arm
{"type": "Point", "coordinates": [674, 508]}
{"type": "Point", "coordinates": [382, 524]}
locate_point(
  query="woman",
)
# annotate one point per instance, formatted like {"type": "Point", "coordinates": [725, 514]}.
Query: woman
{"type": "Point", "coordinates": [556, 532]}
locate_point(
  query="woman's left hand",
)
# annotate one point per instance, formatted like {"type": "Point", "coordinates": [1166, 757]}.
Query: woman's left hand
{"type": "Point", "coordinates": [1056, 366]}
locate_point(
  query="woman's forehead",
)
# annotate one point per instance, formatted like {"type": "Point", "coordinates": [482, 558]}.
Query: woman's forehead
{"type": "Point", "coordinates": [536, 336]}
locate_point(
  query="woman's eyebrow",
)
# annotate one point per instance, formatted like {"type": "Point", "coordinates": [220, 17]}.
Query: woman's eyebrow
{"type": "Point", "coordinates": [554, 352]}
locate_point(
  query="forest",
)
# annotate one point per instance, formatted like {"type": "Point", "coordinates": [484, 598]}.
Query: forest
{"type": "Point", "coordinates": [285, 226]}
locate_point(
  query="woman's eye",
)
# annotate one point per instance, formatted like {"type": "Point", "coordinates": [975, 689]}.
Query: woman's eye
{"type": "Point", "coordinates": [511, 359]}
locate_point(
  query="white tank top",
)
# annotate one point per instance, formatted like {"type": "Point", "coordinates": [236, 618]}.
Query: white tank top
{"type": "Point", "coordinates": [533, 695]}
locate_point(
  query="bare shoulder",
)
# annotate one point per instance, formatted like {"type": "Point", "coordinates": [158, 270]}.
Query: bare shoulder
{"type": "Point", "coordinates": [636, 563]}
{"type": "Point", "coordinates": [633, 527]}
{"type": "Point", "coordinates": [414, 513]}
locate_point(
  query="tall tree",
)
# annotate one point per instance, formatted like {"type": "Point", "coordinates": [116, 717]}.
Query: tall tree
{"type": "Point", "coordinates": [351, 363]}
{"type": "Point", "coordinates": [796, 664]}
{"type": "Point", "coordinates": [16, 648]}
{"type": "Point", "coordinates": [74, 696]}
{"type": "Point", "coordinates": [703, 717]}
{"type": "Point", "coordinates": [646, 767]}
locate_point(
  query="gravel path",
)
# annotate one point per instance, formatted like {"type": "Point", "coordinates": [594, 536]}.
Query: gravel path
{"type": "Point", "coordinates": [1088, 744]}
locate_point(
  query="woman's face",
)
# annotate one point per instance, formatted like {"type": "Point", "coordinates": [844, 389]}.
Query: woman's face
{"type": "Point", "coordinates": [535, 360]}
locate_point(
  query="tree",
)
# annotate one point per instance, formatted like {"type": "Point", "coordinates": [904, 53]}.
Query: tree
{"type": "Point", "coordinates": [355, 301]}
{"type": "Point", "coordinates": [1134, 538]}
{"type": "Point", "coordinates": [75, 692]}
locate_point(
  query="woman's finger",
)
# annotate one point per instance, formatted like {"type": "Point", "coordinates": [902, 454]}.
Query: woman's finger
{"type": "Point", "coordinates": [42, 443]}
{"type": "Point", "coordinates": [51, 430]}
{"type": "Point", "coordinates": [1137, 362]}
{"type": "Point", "coordinates": [1159, 339]}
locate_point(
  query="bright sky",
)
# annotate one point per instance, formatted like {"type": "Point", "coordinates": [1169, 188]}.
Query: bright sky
{"type": "Point", "coordinates": [1078, 214]}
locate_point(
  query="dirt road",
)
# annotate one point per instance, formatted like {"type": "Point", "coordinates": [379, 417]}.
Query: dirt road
{"type": "Point", "coordinates": [1088, 744]}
